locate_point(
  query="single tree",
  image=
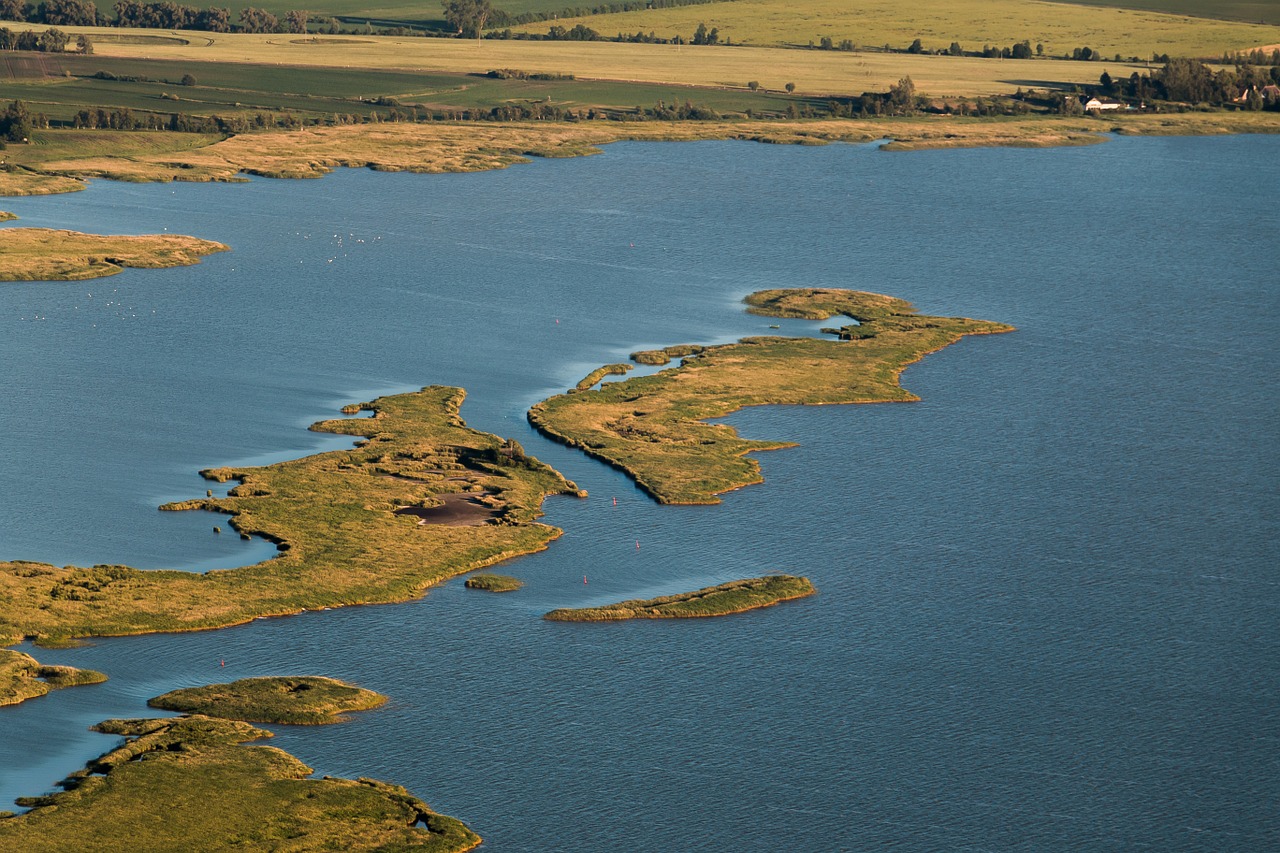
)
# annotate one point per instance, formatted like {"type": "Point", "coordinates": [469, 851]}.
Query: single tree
{"type": "Point", "coordinates": [468, 17]}
{"type": "Point", "coordinates": [790, 87]}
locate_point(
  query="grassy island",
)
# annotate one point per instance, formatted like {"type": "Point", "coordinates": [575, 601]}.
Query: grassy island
{"type": "Point", "coordinates": [219, 795]}
{"type": "Point", "coordinates": [732, 597]}
{"type": "Point", "coordinates": [42, 254]}
{"type": "Point", "coordinates": [494, 583]}
{"type": "Point", "coordinates": [306, 700]}
{"type": "Point", "coordinates": [654, 427]}
{"type": "Point", "coordinates": [336, 518]}
{"type": "Point", "coordinates": [22, 677]}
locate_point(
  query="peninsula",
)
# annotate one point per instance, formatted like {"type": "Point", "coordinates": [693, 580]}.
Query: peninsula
{"type": "Point", "coordinates": [733, 597]}
{"type": "Point", "coordinates": [43, 254]}
{"type": "Point", "coordinates": [655, 427]}
{"type": "Point", "coordinates": [349, 525]}
{"type": "Point", "coordinates": [219, 795]}
{"type": "Point", "coordinates": [22, 677]}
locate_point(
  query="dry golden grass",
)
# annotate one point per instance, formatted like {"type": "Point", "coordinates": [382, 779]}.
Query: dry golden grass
{"type": "Point", "coordinates": [1059, 26]}
{"type": "Point", "coordinates": [42, 254]}
{"type": "Point", "coordinates": [22, 182]}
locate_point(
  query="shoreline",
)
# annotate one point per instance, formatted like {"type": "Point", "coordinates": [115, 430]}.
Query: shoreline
{"type": "Point", "coordinates": [481, 146]}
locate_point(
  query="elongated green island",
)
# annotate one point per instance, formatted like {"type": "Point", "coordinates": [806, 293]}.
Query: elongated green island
{"type": "Point", "coordinates": [220, 795]}
{"type": "Point", "coordinates": [354, 527]}
{"type": "Point", "coordinates": [43, 254]}
{"type": "Point", "coordinates": [654, 427]}
{"type": "Point", "coordinates": [302, 700]}
{"type": "Point", "coordinates": [733, 597]}
{"type": "Point", "coordinates": [23, 678]}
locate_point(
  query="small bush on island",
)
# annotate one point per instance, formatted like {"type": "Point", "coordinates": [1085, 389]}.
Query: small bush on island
{"type": "Point", "coordinates": [494, 583]}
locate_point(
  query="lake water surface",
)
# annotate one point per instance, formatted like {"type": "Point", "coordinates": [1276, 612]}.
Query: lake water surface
{"type": "Point", "coordinates": [1048, 591]}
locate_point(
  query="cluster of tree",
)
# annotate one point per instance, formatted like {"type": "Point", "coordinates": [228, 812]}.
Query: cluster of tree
{"type": "Point", "coordinates": [702, 36]}
{"type": "Point", "coordinates": [52, 40]}
{"type": "Point", "coordinates": [1193, 82]}
{"type": "Point", "coordinates": [164, 15]}
{"type": "Point", "coordinates": [518, 74]}
{"type": "Point", "coordinates": [826, 43]}
{"type": "Point", "coordinates": [1253, 57]}
{"type": "Point", "coordinates": [500, 18]}
{"type": "Point", "coordinates": [17, 122]}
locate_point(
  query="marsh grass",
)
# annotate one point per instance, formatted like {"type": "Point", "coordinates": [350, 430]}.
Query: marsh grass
{"type": "Point", "coordinates": [655, 427]}
{"type": "Point", "coordinates": [733, 597]}
{"type": "Point", "coordinates": [306, 700]}
{"type": "Point", "coordinates": [494, 583]}
{"type": "Point", "coordinates": [22, 678]}
{"type": "Point", "coordinates": [220, 795]}
{"type": "Point", "coordinates": [333, 517]}
{"type": "Point", "coordinates": [42, 254]}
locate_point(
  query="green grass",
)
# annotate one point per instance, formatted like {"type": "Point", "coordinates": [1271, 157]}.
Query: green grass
{"type": "Point", "coordinates": [187, 784]}
{"type": "Point", "coordinates": [655, 427]}
{"type": "Point", "coordinates": [22, 678]}
{"type": "Point", "coordinates": [306, 700]}
{"type": "Point", "coordinates": [333, 515]}
{"type": "Point", "coordinates": [494, 583]}
{"type": "Point", "coordinates": [722, 600]}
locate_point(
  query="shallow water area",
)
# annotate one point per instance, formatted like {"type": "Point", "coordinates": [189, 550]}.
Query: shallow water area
{"type": "Point", "coordinates": [1046, 603]}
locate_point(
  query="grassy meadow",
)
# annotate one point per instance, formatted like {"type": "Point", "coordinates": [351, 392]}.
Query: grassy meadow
{"type": "Point", "coordinates": [306, 700]}
{"type": "Point", "coordinates": [42, 254]}
{"type": "Point", "coordinates": [220, 795]}
{"type": "Point", "coordinates": [655, 428]}
{"type": "Point", "coordinates": [723, 600]}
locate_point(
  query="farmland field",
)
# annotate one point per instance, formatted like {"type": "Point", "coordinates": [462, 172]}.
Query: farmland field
{"type": "Point", "coordinates": [937, 23]}
{"type": "Point", "coordinates": [815, 73]}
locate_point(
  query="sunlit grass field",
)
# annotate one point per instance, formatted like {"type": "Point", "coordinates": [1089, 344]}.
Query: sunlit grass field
{"type": "Point", "coordinates": [1060, 27]}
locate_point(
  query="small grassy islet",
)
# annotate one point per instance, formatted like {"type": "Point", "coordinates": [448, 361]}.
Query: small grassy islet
{"type": "Point", "coordinates": [43, 254]}
{"type": "Point", "coordinates": [220, 795]}
{"type": "Point", "coordinates": [655, 427]}
{"type": "Point", "coordinates": [733, 597]}
{"type": "Point", "coordinates": [22, 677]}
{"type": "Point", "coordinates": [494, 583]}
{"type": "Point", "coordinates": [303, 700]}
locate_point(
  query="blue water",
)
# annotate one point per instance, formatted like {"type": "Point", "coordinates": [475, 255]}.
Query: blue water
{"type": "Point", "coordinates": [1048, 595]}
